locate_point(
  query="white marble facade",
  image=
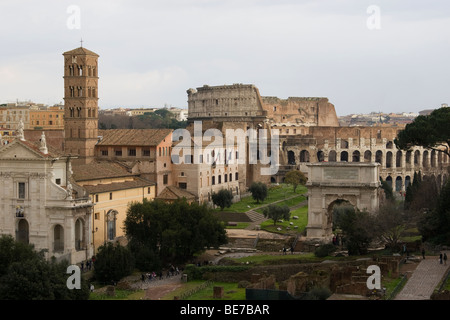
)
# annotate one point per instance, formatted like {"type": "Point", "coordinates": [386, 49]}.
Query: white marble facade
{"type": "Point", "coordinates": [38, 205]}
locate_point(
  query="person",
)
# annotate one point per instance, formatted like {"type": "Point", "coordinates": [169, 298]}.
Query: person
{"type": "Point", "coordinates": [292, 249]}
{"type": "Point", "coordinates": [440, 258]}
{"type": "Point", "coordinates": [91, 287]}
{"type": "Point", "coordinates": [445, 258]}
{"type": "Point", "coordinates": [423, 253]}
{"type": "Point", "coordinates": [284, 250]}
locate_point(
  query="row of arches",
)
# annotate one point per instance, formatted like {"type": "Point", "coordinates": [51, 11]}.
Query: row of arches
{"type": "Point", "coordinates": [399, 183]}
{"type": "Point", "coordinates": [58, 243]}
{"type": "Point", "coordinates": [388, 159]}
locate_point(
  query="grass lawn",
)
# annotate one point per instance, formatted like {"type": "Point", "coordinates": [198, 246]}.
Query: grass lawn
{"type": "Point", "coordinates": [231, 291]}
{"type": "Point", "coordinates": [275, 193]}
{"type": "Point", "coordinates": [300, 223]}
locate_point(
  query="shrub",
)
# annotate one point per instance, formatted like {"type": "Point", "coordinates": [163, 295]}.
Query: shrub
{"type": "Point", "coordinates": [324, 250]}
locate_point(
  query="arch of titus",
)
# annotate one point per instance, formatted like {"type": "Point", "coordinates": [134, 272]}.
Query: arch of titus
{"type": "Point", "coordinates": [357, 183]}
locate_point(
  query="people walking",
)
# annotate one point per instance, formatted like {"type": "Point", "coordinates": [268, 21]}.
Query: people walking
{"type": "Point", "coordinates": [423, 253]}
{"type": "Point", "coordinates": [440, 258]}
{"type": "Point", "coordinates": [445, 258]}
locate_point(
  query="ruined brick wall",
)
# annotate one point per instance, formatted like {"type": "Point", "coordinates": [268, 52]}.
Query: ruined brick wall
{"type": "Point", "coordinates": [296, 111]}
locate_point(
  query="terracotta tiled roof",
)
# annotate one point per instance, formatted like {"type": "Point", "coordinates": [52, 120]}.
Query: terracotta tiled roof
{"type": "Point", "coordinates": [174, 193]}
{"type": "Point", "coordinates": [82, 51]}
{"type": "Point", "coordinates": [98, 170]}
{"type": "Point", "coordinates": [115, 186]}
{"type": "Point", "coordinates": [132, 137]}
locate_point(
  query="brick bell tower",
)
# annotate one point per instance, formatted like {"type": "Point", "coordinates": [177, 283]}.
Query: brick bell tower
{"type": "Point", "coordinates": [80, 104]}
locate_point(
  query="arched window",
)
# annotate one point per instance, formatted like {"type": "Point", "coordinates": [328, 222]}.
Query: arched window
{"type": "Point", "coordinates": [304, 156]}
{"type": "Point", "coordinates": [58, 238]}
{"type": "Point", "coordinates": [22, 234]}
{"type": "Point", "coordinates": [356, 156]}
{"type": "Point", "coordinates": [111, 224]}
{"type": "Point", "coordinates": [389, 159]}
{"type": "Point", "coordinates": [79, 235]}
{"type": "Point", "coordinates": [332, 156]}
{"type": "Point", "coordinates": [367, 156]}
{"type": "Point", "coordinates": [344, 156]}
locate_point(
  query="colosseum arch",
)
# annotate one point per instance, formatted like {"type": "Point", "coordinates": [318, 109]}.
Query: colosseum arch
{"type": "Point", "coordinates": [356, 183]}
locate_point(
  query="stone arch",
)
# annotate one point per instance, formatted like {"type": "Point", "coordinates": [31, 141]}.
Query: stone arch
{"type": "Point", "coordinates": [379, 156]}
{"type": "Point", "coordinates": [304, 156]}
{"type": "Point", "coordinates": [23, 231]}
{"type": "Point", "coordinates": [111, 227]}
{"type": "Point", "coordinates": [79, 234]}
{"type": "Point", "coordinates": [398, 159]}
{"type": "Point", "coordinates": [407, 181]}
{"type": "Point", "coordinates": [408, 157]}
{"type": "Point", "coordinates": [356, 156]}
{"type": "Point", "coordinates": [340, 201]}
{"type": "Point", "coordinates": [332, 156]}
{"type": "Point", "coordinates": [291, 157]}
{"type": "Point", "coordinates": [398, 184]}
{"type": "Point", "coordinates": [58, 238]}
{"type": "Point", "coordinates": [367, 156]}
{"type": "Point", "coordinates": [320, 156]}
{"type": "Point", "coordinates": [425, 158]}
{"type": "Point", "coordinates": [356, 183]}
{"type": "Point", "coordinates": [433, 158]}
{"type": "Point", "coordinates": [389, 145]}
{"type": "Point", "coordinates": [389, 181]}
{"type": "Point", "coordinates": [416, 157]}
{"type": "Point", "coordinates": [344, 156]}
{"type": "Point", "coordinates": [389, 159]}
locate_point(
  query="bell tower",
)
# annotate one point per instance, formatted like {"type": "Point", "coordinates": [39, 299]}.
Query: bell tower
{"type": "Point", "coordinates": [80, 103]}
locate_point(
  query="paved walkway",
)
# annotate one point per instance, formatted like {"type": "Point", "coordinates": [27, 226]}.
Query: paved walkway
{"type": "Point", "coordinates": [424, 279]}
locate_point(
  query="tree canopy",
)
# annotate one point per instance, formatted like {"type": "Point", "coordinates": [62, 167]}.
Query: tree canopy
{"type": "Point", "coordinates": [276, 213]}
{"type": "Point", "coordinates": [223, 198]}
{"type": "Point", "coordinates": [295, 177]}
{"type": "Point", "coordinates": [259, 191]}
{"type": "Point", "coordinates": [431, 131]}
{"type": "Point", "coordinates": [160, 232]}
{"type": "Point", "coordinates": [25, 274]}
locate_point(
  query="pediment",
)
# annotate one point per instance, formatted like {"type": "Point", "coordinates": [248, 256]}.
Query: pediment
{"type": "Point", "coordinates": [19, 150]}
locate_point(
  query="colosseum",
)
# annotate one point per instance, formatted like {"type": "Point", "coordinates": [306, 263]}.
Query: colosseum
{"type": "Point", "coordinates": [310, 132]}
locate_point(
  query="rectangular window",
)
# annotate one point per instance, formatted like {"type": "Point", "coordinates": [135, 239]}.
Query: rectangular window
{"type": "Point", "coordinates": [21, 190]}
{"type": "Point", "coordinates": [146, 152]}
{"type": "Point", "coordinates": [97, 216]}
{"type": "Point", "coordinates": [182, 185]}
{"type": "Point", "coordinates": [166, 179]}
{"type": "Point", "coordinates": [132, 152]}
{"type": "Point", "coordinates": [110, 196]}
{"type": "Point", "coordinates": [118, 152]}
{"type": "Point", "coordinates": [104, 152]}
{"type": "Point", "coordinates": [58, 181]}
{"type": "Point", "coordinates": [96, 198]}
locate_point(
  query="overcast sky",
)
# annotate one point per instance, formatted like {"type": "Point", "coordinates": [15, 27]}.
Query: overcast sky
{"type": "Point", "coordinates": [389, 56]}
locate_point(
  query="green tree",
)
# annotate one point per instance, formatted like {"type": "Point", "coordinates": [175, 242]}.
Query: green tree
{"type": "Point", "coordinates": [389, 224]}
{"type": "Point", "coordinates": [431, 132]}
{"type": "Point", "coordinates": [295, 177]}
{"type": "Point", "coordinates": [26, 275]}
{"type": "Point", "coordinates": [113, 262]}
{"type": "Point", "coordinates": [223, 198]}
{"type": "Point", "coordinates": [357, 228]}
{"type": "Point", "coordinates": [276, 213]}
{"type": "Point", "coordinates": [172, 232]}
{"type": "Point", "coordinates": [387, 188]}
{"type": "Point", "coordinates": [259, 191]}
{"type": "Point", "coordinates": [435, 224]}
